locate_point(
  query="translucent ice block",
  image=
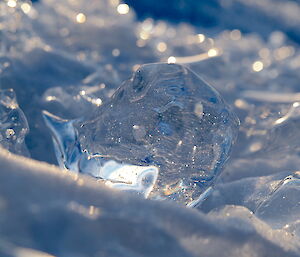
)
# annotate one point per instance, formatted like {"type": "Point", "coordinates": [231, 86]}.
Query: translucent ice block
{"type": "Point", "coordinates": [164, 117]}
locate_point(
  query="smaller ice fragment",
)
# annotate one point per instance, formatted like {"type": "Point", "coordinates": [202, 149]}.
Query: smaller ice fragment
{"type": "Point", "coordinates": [64, 139]}
{"type": "Point", "coordinates": [13, 123]}
{"type": "Point", "coordinates": [74, 101]}
{"type": "Point", "coordinates": [282, 207]}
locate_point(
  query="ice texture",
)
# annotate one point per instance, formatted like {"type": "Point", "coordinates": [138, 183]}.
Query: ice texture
{"type": "Point", "coordinates": [63, 56]}
{"type": "Point", "coordinates": [13, 123]}
{"type": "Point", "coordinates": [164, 116]}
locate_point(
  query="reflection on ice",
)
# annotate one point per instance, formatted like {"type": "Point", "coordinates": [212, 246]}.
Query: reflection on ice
{"type": "Point", "coordinates": [273, 97]}
{"type": "Point", "coordinates": [129, 177]}
{"type": "Point", "coordinates": [117, 175]}
{"type": "Point", "coordinates": [292, 113]}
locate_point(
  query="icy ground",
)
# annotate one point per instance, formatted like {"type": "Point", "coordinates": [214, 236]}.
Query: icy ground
{"type": "Point", "coordinates": [69, 57]}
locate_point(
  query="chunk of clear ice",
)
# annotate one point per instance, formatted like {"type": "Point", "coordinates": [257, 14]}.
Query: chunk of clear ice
{"type": "Point", "coordinates": [165, 133]}
{"type": "Point", "coordinates": [13, 123]}
{"type": "Point", "coordinates": [282, 208]}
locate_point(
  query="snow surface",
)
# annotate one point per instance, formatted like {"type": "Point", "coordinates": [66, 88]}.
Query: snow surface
{"type": "Point", "coordinates": [63, 214]}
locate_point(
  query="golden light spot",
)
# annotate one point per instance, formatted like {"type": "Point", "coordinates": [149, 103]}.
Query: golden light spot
{"type": "Point", "coordinates": [212, 52]}
{"type": "Point", "coordinates": [235, 34]}
{"type": "Point", "coordinates": [179, 143]}
{"type": "Point", "coordinates": [135, 67]}
{"type": "Point", "coordinates": [116, 52]}
{"type": "Point", "coordinates": [196, 58]}
{"type": "Point", "coordinates": [144, 35]}
{"type": "Point", "coordinates": [98, 101]}
{"type": "Point", "coordinates": [280, 120]}
{"type": "Point", "coordinates": [123, 8]}
{"type": "Point", "coordinates": [198, 110]}
{"type": "Point", "coordinates": [239, 103]}
{"type": "Point", "coordinates": [147, 25]}
{"type": "Point", "coordinates": [255, 147]}
{"type": "Point", "coordinates": [264, 53]}
{"type": "Point", "coordinates": [296, 104]}
{"type": "Point", "coordinates": [114, 2]}
{"type": "Point", "coordinates": [92, 210]}
{"type": "Point", "coordinates": [80, 18]}
{"type": "Point", "coordinates": [81, 56]}
{"type": "Point", "coordinates": [25, 252]}
{"type": "Point", "coordinates": [257, 66]}
{"type": "Point", "coordinates": [9, 133]}
{"type": "Point", "coordinates": [283, 52]}
{"type": "Point", "coordinates": [6, 64]}
{"type": "Point", "coordinates": [171, 59]}
{"type": "Point", "coordinates": [140, 43]}
{"type": "Point", "coordinates": [80, 182]}
{"type": "Point", "coordinates": [47, 48]}
{"type": "Point", "coordinates": [201, 38]}
{"type": "Point", "coordinates": [26, 7]}
{"type": "Point", "coordinates": [161, 47]}
{"type": "Point", "coordinates": [12, 3]}
{"type": "Point", "coordinates": [50, 98]}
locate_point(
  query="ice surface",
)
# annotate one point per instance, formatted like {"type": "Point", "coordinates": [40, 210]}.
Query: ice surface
{"type": "Point", "coordinates": [164, 116]}
{"type": "Point", "coordinates": [13, 123]}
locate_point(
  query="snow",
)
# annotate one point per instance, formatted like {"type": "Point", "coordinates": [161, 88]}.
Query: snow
{"type": "Point", "coordinates": [69, 58]}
